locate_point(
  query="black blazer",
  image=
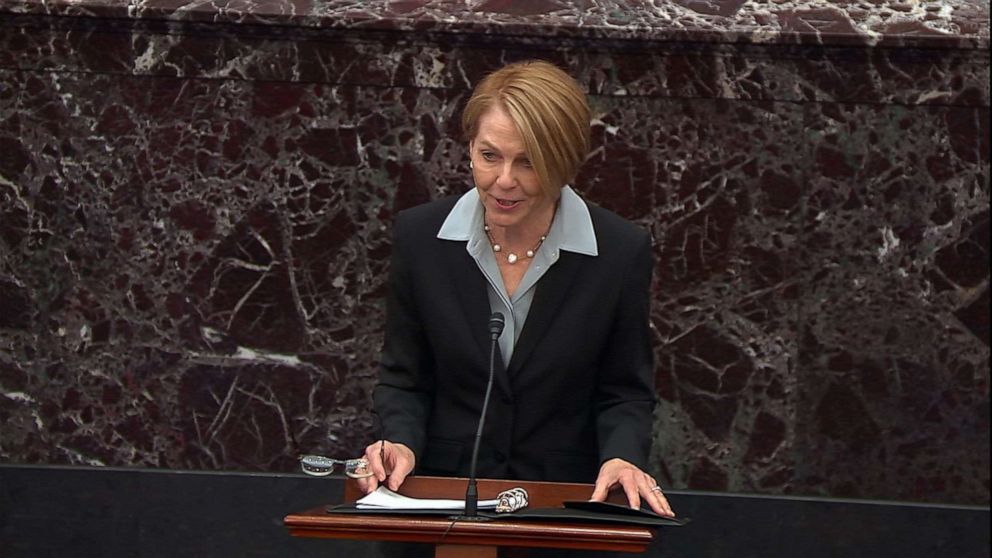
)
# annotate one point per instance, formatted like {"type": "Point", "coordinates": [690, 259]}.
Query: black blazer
{"type": "Point", "coordinates": [579, 388]}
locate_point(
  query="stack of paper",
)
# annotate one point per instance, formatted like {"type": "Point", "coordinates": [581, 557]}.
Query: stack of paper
{"type": "Point", "coordinates": [385, 499]}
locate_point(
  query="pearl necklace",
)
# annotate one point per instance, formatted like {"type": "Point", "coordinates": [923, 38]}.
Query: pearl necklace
{"type": "Point", "coordinates": [512, 258]}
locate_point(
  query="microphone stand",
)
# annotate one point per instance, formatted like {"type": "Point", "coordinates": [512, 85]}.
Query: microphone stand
{"type": "Point", "coordinates": [496, 323]}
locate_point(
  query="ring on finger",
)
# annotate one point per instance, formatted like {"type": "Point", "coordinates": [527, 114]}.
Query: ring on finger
{"type": "Point", "coordinates": [656, 489]}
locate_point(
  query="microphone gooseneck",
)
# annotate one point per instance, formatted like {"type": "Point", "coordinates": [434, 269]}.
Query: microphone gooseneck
{"type": "Point", "coordinates": [496, 323]}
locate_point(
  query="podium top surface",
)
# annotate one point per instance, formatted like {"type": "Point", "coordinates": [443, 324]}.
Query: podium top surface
{"type": "Point", "coordinates": [444, 530]}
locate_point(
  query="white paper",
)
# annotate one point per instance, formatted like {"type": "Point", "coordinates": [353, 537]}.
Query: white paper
{"type": "Point", "coordinates": [385, 499]}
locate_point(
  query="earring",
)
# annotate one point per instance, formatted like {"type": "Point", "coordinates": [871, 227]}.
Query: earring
{"type": "Point", "coordinates": [470, 165]}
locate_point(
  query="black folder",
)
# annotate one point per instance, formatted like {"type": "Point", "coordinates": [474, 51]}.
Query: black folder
{"type": "Point", "coordinates": [581, 511]}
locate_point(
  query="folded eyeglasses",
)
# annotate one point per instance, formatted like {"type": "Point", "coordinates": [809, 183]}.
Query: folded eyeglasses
{"type": "Point", "coordinates": [320, 466]}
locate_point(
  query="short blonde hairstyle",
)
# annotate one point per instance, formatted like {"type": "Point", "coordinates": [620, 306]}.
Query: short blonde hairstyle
{"type": "Point", "coordinates": [550, 111]}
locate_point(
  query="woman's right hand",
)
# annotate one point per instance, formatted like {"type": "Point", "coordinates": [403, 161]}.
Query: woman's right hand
{"type": "Point", "coordinates": [387, 460]}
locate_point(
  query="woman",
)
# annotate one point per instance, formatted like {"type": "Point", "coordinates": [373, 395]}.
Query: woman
{"type": "Point", "coordinates": [574, 392]}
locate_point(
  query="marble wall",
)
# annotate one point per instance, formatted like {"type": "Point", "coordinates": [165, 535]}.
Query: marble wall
{"type": "Point", "coordinates": [196, 199]}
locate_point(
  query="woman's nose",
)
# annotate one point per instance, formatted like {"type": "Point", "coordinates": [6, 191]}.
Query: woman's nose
{"type": "Point", "coordinates": [506, 177]}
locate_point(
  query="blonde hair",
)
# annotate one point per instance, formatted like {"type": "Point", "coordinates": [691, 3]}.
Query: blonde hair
{"type": "Point", "coordinates": [550, 111]}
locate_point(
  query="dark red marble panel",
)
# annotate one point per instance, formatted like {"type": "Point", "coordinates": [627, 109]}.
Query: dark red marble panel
{"type": "Point", "coordinates": [894, 384]}
{"type": "Point", "coordinates": [430, 60]}
{"type": "Point", "coordinates": [163, 244]}
{"type": "Point", "coordinates": [930, 23]}
{"type": "Point", "coordinates": [724, 204]}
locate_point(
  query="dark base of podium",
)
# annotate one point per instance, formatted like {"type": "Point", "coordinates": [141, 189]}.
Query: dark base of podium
{"type": "Point", "coordinates": [82, 512]}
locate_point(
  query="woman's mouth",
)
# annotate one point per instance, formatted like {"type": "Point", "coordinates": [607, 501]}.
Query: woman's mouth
{"type": "Point", "coordinates": [506, 204]}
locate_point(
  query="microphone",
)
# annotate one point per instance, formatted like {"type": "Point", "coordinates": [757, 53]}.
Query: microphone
{"type": "Point", "coordinates": [496, 323]}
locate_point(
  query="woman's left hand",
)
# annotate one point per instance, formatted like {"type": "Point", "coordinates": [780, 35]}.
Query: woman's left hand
{"type": "Point", "coordinates": [636, 483]}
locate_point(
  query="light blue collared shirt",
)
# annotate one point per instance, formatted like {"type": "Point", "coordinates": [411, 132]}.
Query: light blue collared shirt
{"type": "Point", "coordinates": [571, 230]}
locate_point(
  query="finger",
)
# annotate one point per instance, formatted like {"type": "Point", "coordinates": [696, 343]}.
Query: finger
{"type": "Point", "coordinates": [633, 493]}
{"type": "Point", "coordinates": [601, 490]}
{"type": "Point", "coordinates": [659, 503]}
{"type": "Point", "coordinates": [367, 484]}
{"type": "Point", "coordinates": [401, 469]}
{"type": "Point", "coordinates": [373, 454]}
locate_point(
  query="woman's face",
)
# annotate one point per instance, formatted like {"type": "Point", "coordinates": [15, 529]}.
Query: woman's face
{"type": "Point", "coordinates": [508, 186]}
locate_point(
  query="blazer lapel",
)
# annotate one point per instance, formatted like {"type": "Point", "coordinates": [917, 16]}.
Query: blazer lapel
{"type": "Point", "coordinates": [471, 288]}
{"type": "Point", "coordinates": [552, 290]}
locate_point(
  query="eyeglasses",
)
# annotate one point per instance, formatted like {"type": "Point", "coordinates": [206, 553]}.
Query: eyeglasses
{"type": "Point", "coordinates": [320, 466]}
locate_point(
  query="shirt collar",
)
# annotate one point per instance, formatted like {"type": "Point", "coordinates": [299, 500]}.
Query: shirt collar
{"type": "Point", "coordinates": [464, 219]}
{"type": "Point", "coordinates": [571, 230]}
{"type": "Point", "coordinates": [577, 232]}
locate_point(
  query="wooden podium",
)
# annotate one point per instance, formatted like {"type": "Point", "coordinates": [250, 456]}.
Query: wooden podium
{"type": "Point", "coordinates": [473, 538]}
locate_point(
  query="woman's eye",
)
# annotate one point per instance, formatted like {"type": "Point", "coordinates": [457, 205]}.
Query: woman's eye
{"type": "Point", "coordinates": [489, 155]}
